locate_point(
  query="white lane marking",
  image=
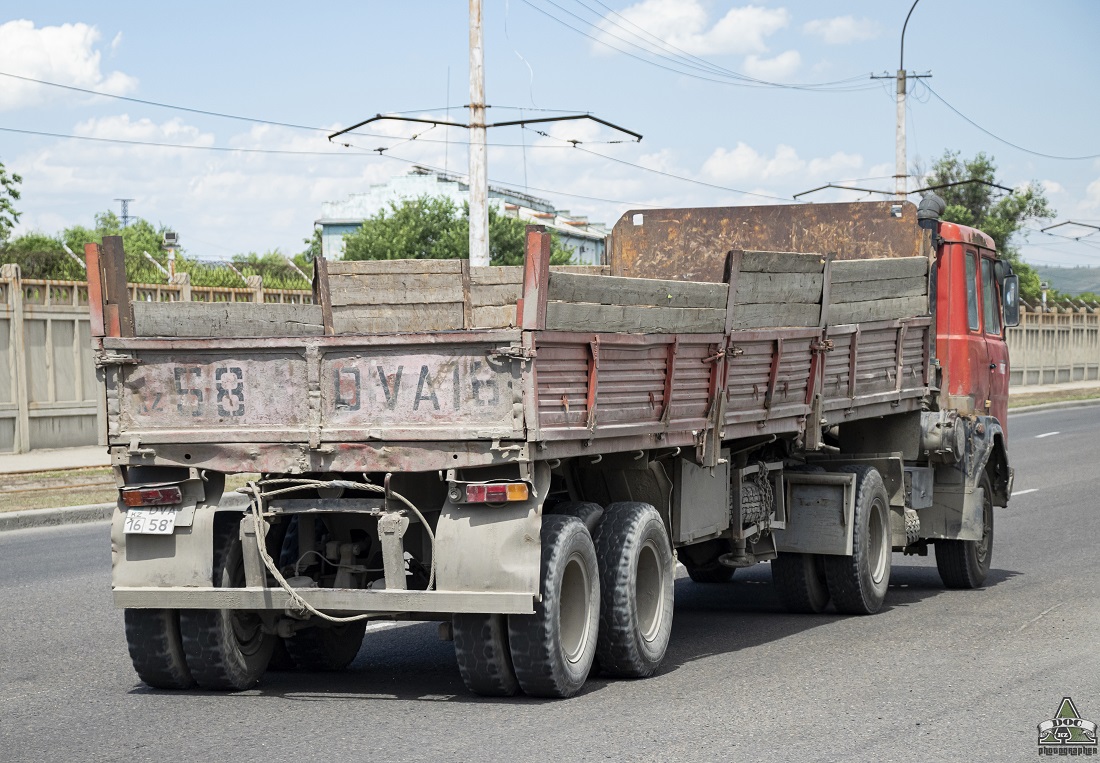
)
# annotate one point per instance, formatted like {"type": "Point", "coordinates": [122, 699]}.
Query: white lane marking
{"type": "Point", "coordinates": [1046, 434]}
{"type": "Point", "coordinates": [1025, 492]}
{"type": "Point", "coordinates": [1040, 616]}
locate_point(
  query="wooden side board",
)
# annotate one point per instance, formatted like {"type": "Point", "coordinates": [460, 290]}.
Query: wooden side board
{"type": "Point", "coordinates": [226, 319]}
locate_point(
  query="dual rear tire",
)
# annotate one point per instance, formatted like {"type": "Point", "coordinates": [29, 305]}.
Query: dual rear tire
{"type": "Point", "coordinates": [856, 584]}
{"type": "Point", "coordinates": [607, 594]}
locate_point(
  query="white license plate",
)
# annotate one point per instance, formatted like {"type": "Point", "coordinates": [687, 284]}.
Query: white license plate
{"type": "Point", "coordinates": [158, 520]}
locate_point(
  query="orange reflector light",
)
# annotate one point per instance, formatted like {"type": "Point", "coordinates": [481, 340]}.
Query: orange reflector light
{"type": "Point", "coordinates": [152, 496]}
{"type": "Point", "coordinates": [497, 492]}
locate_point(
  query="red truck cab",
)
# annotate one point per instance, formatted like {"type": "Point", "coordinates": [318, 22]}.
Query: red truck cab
{"type": "Point", "coordinates": [971, 311]}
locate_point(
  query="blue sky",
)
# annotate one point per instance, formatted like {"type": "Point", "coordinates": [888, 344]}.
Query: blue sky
{"type": "Point", "coordinates": [1023, 71]}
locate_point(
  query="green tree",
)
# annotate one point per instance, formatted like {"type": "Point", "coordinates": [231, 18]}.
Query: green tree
{"type": "Point", "coordinates": [9, 193]}
{"type": "Point", "coordinates": [433, 228]}
{"type": "Point", "coordinates": [983, 207]}
{"type": "Point", "coordinates": [312, 250]}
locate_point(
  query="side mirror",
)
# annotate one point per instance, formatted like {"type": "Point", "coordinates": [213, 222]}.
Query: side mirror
{"type": "Point", "coordinates": [1010, 292]}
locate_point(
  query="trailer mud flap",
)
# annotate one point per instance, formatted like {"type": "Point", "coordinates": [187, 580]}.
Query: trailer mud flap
{"type": "Point", "coordinates": [820, 508]}
{"type": "Point", "coordinates": [483, 548]}
{"type": "Point", "coordinates": [954, 515]}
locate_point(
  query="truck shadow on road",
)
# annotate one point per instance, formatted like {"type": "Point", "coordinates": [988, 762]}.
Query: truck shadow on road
{"type": "Point", "coordinates": [722, 619]}
{"type": "Point", "coordinates": [408, 662]}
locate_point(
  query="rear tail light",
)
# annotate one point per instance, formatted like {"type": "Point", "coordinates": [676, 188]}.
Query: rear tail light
{"type": "Point", "coordinates": [498, 492]}
{"type": "Point", "coordinates": [152, 496]}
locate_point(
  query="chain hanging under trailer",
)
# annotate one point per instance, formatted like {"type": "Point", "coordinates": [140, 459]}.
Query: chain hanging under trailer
{"type": "Point", "coordinates": [758, 500]}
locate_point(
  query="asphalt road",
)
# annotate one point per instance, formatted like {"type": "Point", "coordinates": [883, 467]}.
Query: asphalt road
{"type": "Point", "coordinates": [938, 675]}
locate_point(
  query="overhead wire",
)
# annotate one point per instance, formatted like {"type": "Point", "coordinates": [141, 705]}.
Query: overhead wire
{"type": "Point", "coordinates": [999, 139]}
{"type": "Point", "coordinates": [739, 81]}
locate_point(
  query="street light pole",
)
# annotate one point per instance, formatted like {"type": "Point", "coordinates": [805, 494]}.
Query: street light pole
{"type": "Point", "coordinates": [479, 180]}
{"type": "Point", "coordinates": [899, 153]}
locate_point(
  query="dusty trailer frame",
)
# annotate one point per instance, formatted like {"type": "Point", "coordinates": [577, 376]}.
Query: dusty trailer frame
{"type": "Point", "coordinates": [614, 418]}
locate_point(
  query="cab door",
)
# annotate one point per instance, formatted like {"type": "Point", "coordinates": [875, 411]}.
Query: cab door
{"type": "Point", "coordinates": [996, 402]}
{"type": "Point", "coordinates": [979, 369]}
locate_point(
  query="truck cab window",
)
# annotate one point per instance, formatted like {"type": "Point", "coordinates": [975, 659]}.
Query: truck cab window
{"type": "Point", "coordinates": [972, 290]}
{"type": "Point", "coordinates": [990, 303]}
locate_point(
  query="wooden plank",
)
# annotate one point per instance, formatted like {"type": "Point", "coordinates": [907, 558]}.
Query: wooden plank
{"type": "Point", "coordinates": [536, 278]}
{"type": "Point", "coordinates": [322, 293]}
{"type": "Point", "coordinates": [731, 276]}
{"type": "Point", "coordinates": [595, 270]}
{"type": "Point", "coordinates": [396, 289]}
{"type": "Point", "coordinates": [226, 319]}
{"type": "Point", "coordinates": [496, 275]}
{"type": "Point", "coordinates": [95, 288]}
{"type": "Point", "coordinates": [467, 315]}
{"type": "Point", "coordinates": [493, 316]}
{"type": "Point", "coordinates": [116, 292]}
{"type": "Point", "coordinates": [781, 262]}
{"type": "Point", "coordinates": [766, 288]}
{"type": "Point", "coordinates": [579, 316]}
{"type": "Point", "coordinates": [642, 292]}
{"type": "Point", "coordinates": [775, 315]}
{"type": "Point", "coordinates": [389, 319]}
{"type": "Point", "coordinates": [393, 267]}
{"type": "Point", "coordinates": [494, 295]}
{"type": "Point", "coordinates": [890, 288]}
{"type": "Point", "coordinates": [878, 310]}
{"type": "Point", "coordinates": [848, 271]}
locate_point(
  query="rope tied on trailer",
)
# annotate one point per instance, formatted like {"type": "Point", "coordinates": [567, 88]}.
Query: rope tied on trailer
{"type": "Point", "coordinates": [257, 495]}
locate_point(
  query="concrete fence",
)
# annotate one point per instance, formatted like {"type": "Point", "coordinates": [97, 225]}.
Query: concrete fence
{"type": "Point", "coordinates": [1055, 347]}
{"type": "Point", "coordinates": [47, 374]}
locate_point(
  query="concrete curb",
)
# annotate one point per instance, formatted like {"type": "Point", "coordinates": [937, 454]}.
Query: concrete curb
{"type": "Point", "coordinates": [70, 515]}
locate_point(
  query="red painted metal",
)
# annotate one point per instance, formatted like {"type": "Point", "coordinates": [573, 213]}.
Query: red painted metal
{"type": "Point", "coordinates": [975, 363]}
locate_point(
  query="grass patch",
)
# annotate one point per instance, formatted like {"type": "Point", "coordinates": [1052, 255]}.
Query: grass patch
{"type": "Point", "coordinates": [1039, 398]}
{"type": "Point", "coordinates": [73, 487]}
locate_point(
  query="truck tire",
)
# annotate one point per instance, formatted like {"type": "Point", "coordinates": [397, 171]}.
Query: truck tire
{"type": "Point", "coordinates": [156, 650]}
{"type": "Point", "coordinates": [637, 577]}
{"type": "Point", "coordinates": [323, 649]}
{"type": "Point", "coordinates": [858, 583]}
{"type": "Point", "coordinates": [226, 650]}
{"type": "Point", "coordinates": [965, 564]}
{"type": "Point", "coordinates": [481, 648]}
{"type": "Point", "coordinates": [800, 582]}
{"type": "Point", "coordinates": [553, 649]}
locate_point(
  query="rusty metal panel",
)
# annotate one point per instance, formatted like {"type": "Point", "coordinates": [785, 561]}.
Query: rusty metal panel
{"type": "Point", "coordinates": [631, 384]}
{"type": "Point", "coordinates": [691, 392]}
{"type": "Point", "coordinates": [183, 394]}
{"type": "Point", "coordinates": [299, 394]}
{"type": "Point", "coordinates": [691, 244]}
{"type": "Point", "coordinates": [415, 392]}
{"type": "Point", "coordinates": [749, 375]}
{"type": "Point", "coordinates": [872, 350]}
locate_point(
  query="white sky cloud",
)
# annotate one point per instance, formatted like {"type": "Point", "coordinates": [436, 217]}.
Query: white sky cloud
{"type": "Point", "coordinates": [842, 30]}
{"type": "Point", "coordinates": [686, 24]}
{"type": "Point", "coordinates": [63, 54]}
{"type": "Point", "coordinates": [777, 69]}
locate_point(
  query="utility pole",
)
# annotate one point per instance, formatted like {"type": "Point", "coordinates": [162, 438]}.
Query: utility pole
{"type": "Point", "coordinates": [901, 172]}
{"type": "Point", "coordinates": [479, 177]}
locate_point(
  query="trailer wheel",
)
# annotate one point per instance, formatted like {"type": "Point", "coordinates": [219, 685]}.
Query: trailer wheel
{"type": "Point", "coordinates": [153, 638]}
{"type": "Point", "coordinates": [637, 577]}
{"type": "Point", "coordinates": [965, 563]}
{"type": "Point", "coordinates": [800, 582]}
{"type": "Point", "coordinates": [226, 650]}
{"type": "Point", "coordinates": [553, 649]}
{"type": "Point", "coordinates": [321, 649]}
{"type": "Point", "coordinates": [481, 648]}
{"type": "Point", "coordinates": [858, 583]}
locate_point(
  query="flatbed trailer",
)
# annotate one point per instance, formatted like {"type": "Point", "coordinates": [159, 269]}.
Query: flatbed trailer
{"type": "Point", "coordinates": [522, 453]}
